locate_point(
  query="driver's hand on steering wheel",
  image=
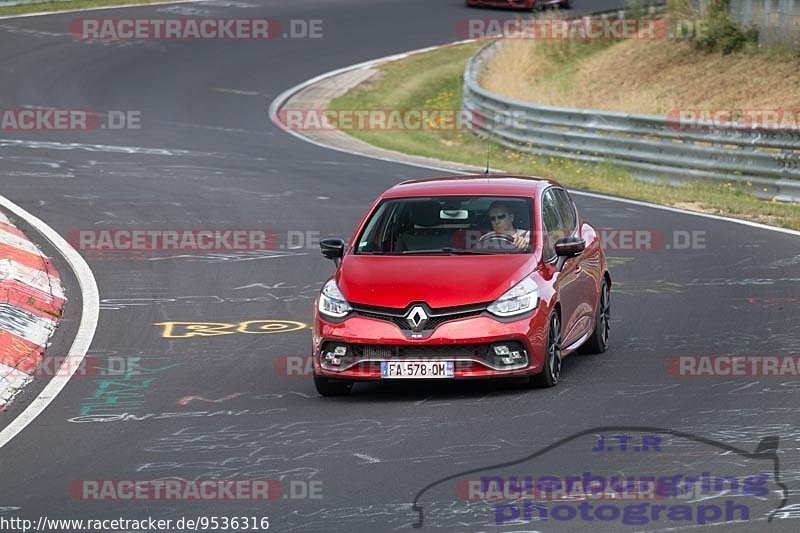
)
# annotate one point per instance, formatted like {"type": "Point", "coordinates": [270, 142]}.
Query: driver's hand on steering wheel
{"type": "Point", "coordinates": [522, 240]}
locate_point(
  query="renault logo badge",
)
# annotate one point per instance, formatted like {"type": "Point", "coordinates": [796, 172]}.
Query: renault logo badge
{"type": "Point", "coordinates": [417, 318]}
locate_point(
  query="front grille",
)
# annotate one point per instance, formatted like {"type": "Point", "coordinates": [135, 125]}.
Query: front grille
{"type": "Point", "coordinates": [436, 317]}
{"type": "Point", "coordinates": [434, 321]}
{"type": "Point", "coordinates": [377, 351]}
{"type": "Point", "coordinates": [398, 321]}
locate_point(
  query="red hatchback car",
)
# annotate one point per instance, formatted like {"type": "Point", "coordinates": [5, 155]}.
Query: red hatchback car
{"type": "Point", "coordinates": [519, 4]}
{"type": "Point", "coordinates": [462, 277]}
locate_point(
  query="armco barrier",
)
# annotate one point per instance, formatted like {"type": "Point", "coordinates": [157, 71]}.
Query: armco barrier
{"type": "Point", "coordinates": [9, 3]}
{"type": "Point", "coordinates": [31, 303]}
{"type": "Point", "coordinates": [647, 145]}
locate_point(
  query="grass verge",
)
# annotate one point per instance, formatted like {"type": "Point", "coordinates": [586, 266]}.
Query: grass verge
{"type": "Point", "coordinates": [433, 81]}
{"type": "Point", "coordinates": [68, 5]}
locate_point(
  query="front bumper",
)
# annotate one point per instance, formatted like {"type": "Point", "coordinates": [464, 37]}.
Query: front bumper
{"type": "Point", "coordinates": [468, 342]}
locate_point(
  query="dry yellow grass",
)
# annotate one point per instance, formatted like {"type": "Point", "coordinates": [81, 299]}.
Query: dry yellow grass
{"type": "Point", "coordinates": [642, 76]}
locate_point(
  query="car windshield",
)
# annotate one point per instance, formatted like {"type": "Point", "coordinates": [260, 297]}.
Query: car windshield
{"type": "Point", "coordinates": [463, 225]}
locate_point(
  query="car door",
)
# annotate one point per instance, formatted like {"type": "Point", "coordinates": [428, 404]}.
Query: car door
{"type": "Point", "coordinates": [582, 288]}
{"type": "Point", "coordinates": [566, 278]}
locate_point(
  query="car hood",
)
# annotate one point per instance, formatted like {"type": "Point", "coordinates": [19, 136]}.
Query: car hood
{"type": "Point", "coordinates": [440, 281]}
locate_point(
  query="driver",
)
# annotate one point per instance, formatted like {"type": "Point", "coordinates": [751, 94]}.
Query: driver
{"type": "Point", "coordinates": [502, 219]}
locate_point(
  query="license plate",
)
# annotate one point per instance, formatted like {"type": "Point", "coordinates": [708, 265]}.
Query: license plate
{"type": "Point", "coordinates": [416, 369]}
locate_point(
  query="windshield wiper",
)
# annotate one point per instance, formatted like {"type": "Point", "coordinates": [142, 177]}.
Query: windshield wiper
{"type": "Point", "coordinates": [447, 250]}
{"type": "Point", "coordinates": [468, 251]}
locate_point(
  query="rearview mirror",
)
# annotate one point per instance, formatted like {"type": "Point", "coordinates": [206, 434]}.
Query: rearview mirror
{"type": "Point", "coordinates": [570, 246]}
{"type": "Point", "coordinates": [332, 249]}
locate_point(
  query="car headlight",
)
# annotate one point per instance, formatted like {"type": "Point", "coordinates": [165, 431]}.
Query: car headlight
{"type": "Point", "coordinates": [332, 302]}
{"type": "Point", "coordinates": [521, 298]}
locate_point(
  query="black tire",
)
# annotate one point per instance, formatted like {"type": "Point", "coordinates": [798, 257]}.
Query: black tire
{"type": "Point", "coordinates": [327, 387]}
{"type": "Point", "coordinates": [598, 342]}
{"type": "Point", "coordinates": [551, 372]}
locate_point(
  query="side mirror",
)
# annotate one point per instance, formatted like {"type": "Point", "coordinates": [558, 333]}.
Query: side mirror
{"type": "Point", "coordinates": [570, 246]}
{"type": "Point", "coordinates": [332, 249]}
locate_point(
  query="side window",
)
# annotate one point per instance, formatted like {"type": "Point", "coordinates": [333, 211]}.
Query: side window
{"type": "Point", "coordinates": [552, 224]}
{"type": "Point", "coordinates": [566, 211]}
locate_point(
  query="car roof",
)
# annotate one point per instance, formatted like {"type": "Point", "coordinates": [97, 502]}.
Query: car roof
{"type": "Point", "coordinates": [478, 184]}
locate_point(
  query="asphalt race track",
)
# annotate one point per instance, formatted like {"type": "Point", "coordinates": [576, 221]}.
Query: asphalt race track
{"type": "Point", "coordinates": [206, 156]}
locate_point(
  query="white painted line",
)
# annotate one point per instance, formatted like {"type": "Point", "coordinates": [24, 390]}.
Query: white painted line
{"type": "Point", "coordinates": [124, 6]}
{"type": "Point", "coordinates": [281, 99]}
{"type": "Point", "coordinates": [55, 145]}
{"type": "Point", "coordinates": [86, 329]}
{"type": "Point", "coordinates": [367, 458]}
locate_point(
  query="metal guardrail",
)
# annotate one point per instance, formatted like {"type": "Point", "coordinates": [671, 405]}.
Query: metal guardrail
{"type": "Point", "coordinates": [649, 146]}
{"type": "Point", "coordinates": [10, 3]}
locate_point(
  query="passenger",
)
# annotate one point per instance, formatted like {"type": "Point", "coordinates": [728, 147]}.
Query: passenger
{"type": "Point", "coordinates": [502, 219]}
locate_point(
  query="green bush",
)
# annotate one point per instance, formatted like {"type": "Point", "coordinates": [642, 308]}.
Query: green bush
{"type": "Point", "coordinates": [634, 9]}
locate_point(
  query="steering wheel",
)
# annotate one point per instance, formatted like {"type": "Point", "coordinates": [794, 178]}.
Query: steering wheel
{"type": "Point", "coordinates": [502, 240]}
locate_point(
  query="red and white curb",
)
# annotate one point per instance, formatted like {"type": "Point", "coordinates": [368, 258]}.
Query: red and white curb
{"type": "Point", "coordinates": [31, 303]}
